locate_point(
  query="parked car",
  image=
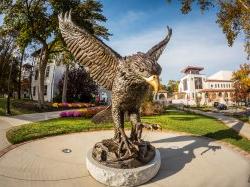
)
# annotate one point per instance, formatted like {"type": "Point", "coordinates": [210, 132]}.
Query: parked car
{"type": "Point", "coordinates": [216, 104]}
{"type": "Point", "coordinates": [221, 106]}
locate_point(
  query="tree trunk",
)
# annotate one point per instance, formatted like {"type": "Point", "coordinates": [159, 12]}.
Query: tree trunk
{"type": "Point", "coordinates": [8, 112]}
{"type": "Point", "coordinates": [42, 67]}
{"type": "Point", "coordinates": [65, 84]}
{"type": "Point", "coordinates": [30, 85]}
{"type": "Point", "coordinates": [20, 75]}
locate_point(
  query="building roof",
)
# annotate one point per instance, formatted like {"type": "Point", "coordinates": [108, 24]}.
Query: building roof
{"type": "Point", "coordinates": [191, 68]}
{"type": "Point", "coordinates": [221, 75]}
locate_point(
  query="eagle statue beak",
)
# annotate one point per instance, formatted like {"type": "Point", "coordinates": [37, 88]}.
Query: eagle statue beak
{"type": "Point", "coordinates": [154, 82]}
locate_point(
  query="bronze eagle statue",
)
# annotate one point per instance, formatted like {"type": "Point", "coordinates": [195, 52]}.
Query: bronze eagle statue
{"type": "Point", "coordinates": [128, 78]}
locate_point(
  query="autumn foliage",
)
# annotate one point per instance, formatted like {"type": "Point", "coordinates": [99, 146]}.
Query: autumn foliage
{"type": "Point", "coordinates": [241, 80]}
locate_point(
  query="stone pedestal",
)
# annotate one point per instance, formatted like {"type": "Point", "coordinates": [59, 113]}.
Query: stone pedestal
{"type": "Point", "coordinates": [123, 177]}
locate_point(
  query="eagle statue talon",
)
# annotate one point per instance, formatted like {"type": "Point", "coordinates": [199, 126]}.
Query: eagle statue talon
{"type": "Point", "coordinates": [125, 144]}
{"type": "Point", "coordinates": [129, 79]}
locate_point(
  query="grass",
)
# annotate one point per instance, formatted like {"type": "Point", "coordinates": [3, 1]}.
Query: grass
{"type": "Point", "coordinates": [172, 120]}
{"type": "Point", "coordinates": [242, 118]}
{"type": "Point", "coordinates": [21, 106]}
{"type": "Point", "coordinates": [14, 110]}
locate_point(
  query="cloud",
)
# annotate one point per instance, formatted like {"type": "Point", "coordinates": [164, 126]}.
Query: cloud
{"type": "Point", "coordinates": [130, 17]}
{"type": "Point", "coordinates": [196, 43]}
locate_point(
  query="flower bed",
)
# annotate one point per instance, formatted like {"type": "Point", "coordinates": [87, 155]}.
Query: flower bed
{"type": "Point", "coordinates": [72, 105]}
{"type": "Point", "coordinates": [86, 112]}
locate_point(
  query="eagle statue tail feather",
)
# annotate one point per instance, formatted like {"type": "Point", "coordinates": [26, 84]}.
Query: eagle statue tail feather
{"type": "Point", "coordinates": [104, 116]}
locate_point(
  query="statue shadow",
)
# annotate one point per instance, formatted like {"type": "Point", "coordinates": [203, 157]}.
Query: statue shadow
{"type": "Point", "coordinates": [174, 159]}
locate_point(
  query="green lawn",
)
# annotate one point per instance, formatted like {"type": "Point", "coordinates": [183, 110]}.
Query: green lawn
{"type": "Point", "coordinates": [21, 106]}
{"type": "Point", "coordinates": [242, 118]}
{"type": "Point", "coordinates": [172, 120]}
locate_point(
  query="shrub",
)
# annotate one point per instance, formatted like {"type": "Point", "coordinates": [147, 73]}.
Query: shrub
{"type": "Point", "coordinates": [152, 108]}
{"type": "Point", "coordinates": [72, 105]}
{"type": "Point", "coordinates": [85, 112]}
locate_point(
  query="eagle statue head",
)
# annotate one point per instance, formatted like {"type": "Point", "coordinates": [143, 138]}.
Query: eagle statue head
{"type": "Point", "coordinates": [145, 65]}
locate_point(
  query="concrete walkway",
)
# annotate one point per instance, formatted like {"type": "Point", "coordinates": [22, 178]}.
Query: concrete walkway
{"type": "Point", "coordinates": [11, 121]}
{"type": "Point", "coordinates": [239, 126]}
{"type": "Point", "coordinates": [186, 161]}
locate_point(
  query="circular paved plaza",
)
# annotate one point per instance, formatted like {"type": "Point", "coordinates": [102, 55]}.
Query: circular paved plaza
{"type": "Point", "coordinates": [186, 161]}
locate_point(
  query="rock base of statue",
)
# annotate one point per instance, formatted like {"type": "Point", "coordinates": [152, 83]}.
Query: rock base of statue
{"type": "Point", "coordinates": [110, 153]}
{"type": "Point", "coordinates": [123, 177]}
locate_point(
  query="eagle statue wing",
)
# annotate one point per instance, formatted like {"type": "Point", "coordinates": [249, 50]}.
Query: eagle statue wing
{"type": "Point", "coordinates": [100, 60]}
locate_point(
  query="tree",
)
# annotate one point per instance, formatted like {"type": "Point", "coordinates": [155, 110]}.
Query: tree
{"type": "Point", "coordinates": [22, 49]}
{"type": "Point", "coordinates": [172, 87]}
{"type": "Point", "coordinates": [28, 68]}
{"type": "Point", "coordinates": [241, 84]}
{"type": "Point", "coordinates": [80, 86]}
{"type": "Point", "coordinates": [7, 61]}
{"type": "Point", "coordinates": [8, 65]}
{"type": "Point", "coordinates": [66, 59]}
{"type": "Point", "coordinates": [233, 17]}
{"type": "Point", "coordinates": [36, 21]}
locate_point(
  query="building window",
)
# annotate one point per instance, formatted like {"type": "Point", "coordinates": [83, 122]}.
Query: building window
{"type": "Point", "coordinates": [36, 74]}
{"type": "Point", "coordinates": [218, 85]}
{"type": "Point", "coordinates": [34, 91]}
{"type": "Point", "coordinates": [185, 85]}
{"type": "Point", "coordinates": [47, 71]}
{"type": "Point", "coordinates": [229, 85]}
{"type": "Point", "coordinates": [212, 85]}
{"type": "Point", "coordinates": [198, 82]}
{"type": "Point", "coordinates": [220, 94]}
{"type": "Point", "coordinates": [45, 89]}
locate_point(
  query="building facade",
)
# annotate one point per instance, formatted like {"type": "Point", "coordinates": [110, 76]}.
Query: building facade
{"type": "Point", "coordinates": [198, 89]}
{"type": "Point", "coordinates": [53, 75]}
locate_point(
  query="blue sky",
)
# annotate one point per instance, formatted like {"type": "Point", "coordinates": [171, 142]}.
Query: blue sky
{"type": "Point", "coordinates": [137, 25]}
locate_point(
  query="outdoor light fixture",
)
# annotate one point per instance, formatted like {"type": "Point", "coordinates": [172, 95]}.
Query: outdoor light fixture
{"type": "Point", "coordinates": [67, 150]}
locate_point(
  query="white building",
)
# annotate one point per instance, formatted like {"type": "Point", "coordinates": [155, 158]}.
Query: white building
{"type": "Point", "coordinates": [53, 75]}
{"type": "Point", "coordinates": [196, 88]}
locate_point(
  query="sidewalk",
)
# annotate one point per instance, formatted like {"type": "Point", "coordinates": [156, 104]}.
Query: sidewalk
{"type": "Point", "coordinates": [186, 161]}
{"type": "Point", "coordinates": [239, 126]}
{"type": "Point", "coordinates": [11, 121]}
